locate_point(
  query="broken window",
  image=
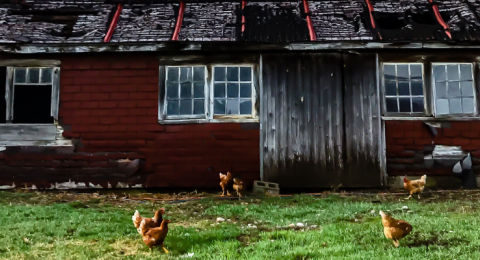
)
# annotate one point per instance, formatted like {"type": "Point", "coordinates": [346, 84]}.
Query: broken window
{"type": "Point", "coordinates": [31, 95]}
{"type": "Point", "coordinates": [453, 89]}
{"type": "Point", "coordinates": [208, 93]}
{"type": "Point", "coordinates": [185, 91]}
{"type": "Point", "coordinates": [232, 93]}
{"type": "Point", "coordinates": [403, 87]}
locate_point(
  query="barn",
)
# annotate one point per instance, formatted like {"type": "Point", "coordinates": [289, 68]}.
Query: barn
{"type": "Point", "coordinates": [304, 93]}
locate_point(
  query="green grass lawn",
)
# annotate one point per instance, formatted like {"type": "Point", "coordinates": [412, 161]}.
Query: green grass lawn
{"type": "Point", "coordinates": [56, 226]}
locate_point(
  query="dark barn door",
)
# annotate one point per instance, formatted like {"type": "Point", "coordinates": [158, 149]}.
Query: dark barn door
{"type": "Point", "coordinates": [308, 138]}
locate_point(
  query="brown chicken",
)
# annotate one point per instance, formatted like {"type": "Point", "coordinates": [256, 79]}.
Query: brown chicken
{"type": "Point", "coordinates": [156, 236]}
{"type": "Point", "coordinates": [225, 182]}
{"type": "Point", "coordinates": [149, 222]}
{"type": "Point", "coordinates": [239, 186]}
{"type": "Point", "coordinates": [395, 229]}
{"type": "Point", "coordinates": [415, 186]}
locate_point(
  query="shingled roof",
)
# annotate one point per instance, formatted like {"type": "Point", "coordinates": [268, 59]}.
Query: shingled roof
{"type": "Point", "coordinates": [139, 21]}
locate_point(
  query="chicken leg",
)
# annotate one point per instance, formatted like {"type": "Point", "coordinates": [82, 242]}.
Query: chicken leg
{"type": "Point", "coordinates": [396, 243]}
{"type": "Point", "coordinates": [164, 249]}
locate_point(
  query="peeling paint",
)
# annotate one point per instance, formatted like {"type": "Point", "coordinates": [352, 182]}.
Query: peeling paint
{"type": "Point", "coordinates": [7, 187]}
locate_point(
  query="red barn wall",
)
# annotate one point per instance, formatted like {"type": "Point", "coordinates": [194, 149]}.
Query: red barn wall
{"type": "Point", "coordinates": [109, 103]}
{"type": "Point", "coordinates": [407, 142]}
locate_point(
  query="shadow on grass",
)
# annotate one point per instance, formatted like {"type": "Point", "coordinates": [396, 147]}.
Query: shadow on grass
{"type": "Point", "coordinates": [418, 241]}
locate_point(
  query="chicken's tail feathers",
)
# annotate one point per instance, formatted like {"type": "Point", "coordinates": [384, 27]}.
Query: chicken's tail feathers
{"type": "Point", "coordinates": [136, 215]}
{"type": "Point", "coordinates": [424, 177]}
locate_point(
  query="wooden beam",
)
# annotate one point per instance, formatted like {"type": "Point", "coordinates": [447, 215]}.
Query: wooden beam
{"type": "Point", "coordinates": [113, 24]}
{"type": "Point", "coordinates": [244, 3]}
{"type": "Point", "coordinates": [178, 26]}
{"type": "Point", "coordinates": [372, 20]}
{"type": "Point", "coordinates": [311, 30]}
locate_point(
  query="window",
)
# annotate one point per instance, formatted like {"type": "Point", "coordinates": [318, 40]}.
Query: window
{"type": "Point", "coordinates": [404, 88]}
{"type": "Point", "coordinates": [31, 95]}
{"type": "Point", "coordinates": [454, 89]}
{"type": "Point", "coordinates": [185, 92]}
{"type": "Point", "coordinates": [232, 93]}
{"type": "Point", "coordinates": [214, 93]}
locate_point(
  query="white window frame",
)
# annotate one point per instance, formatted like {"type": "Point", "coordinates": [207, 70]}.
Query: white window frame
{"type": "Point", "coordinates": [434, 94]}
{"type": "Point", "coordinates": [185, 117]}
{"type": "Point", "coordinates": [19, 134]}
{"type": "Point", "coordinates": [252, 98]}
{"type": "Point", "coordinates": [209, 116]}
{"type": "Point", "coordinates": [384, 96]}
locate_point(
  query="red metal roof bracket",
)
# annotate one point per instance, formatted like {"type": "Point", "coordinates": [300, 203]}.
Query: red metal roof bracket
{"type": "Point", "coordinates": [244, 3]}
{"type": "Point", "coordinates": [178, 26]}
{"type": "Point", "coordinates": [313, 36]}
{"type": "Point", "coordinates": [372, 21]}
{"type": "Point", "coordinates": [440, 19]}
{"type": "Point", "coordinates": [113, 24]}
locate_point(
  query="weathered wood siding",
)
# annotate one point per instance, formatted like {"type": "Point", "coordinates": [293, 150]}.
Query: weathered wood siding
{"type": "Point", "coordinates": [363, 129]}
{"type": "Point", "coordinates": [302, 119]}
{"type": "Point", "coordinates": [311, 135]}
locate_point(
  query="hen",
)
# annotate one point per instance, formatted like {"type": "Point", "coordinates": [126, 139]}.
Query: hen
{"type": "Point", "coordinates": [225, 182]}
{"type": "Point", "coordinates": [395, 229]}
{"type": "Point", "coordinates": [149, 222]}
{"type": "Point", "coordinates": [415, 186]}
{"type": "Point", "coordinates": [238, 186]}
{"type": "Point", "coordinates": [156, 236]}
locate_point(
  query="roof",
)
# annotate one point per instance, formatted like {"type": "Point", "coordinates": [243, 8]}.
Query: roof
{"type": "Point", "coordinates": [142, 21]}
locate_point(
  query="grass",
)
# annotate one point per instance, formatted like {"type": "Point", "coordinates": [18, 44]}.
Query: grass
{"type": "Point", "coordinates": [65, 226]}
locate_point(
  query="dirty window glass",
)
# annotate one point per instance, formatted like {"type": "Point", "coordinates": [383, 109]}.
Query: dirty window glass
{"type": "Point", "coordinates": [232, 90]}
{"type": "Point", "coordinates": [454, 89]}
{"type": "Point", "coordinates": [185, 91]}
{"type": "Point", "coordinates": [403, 85]}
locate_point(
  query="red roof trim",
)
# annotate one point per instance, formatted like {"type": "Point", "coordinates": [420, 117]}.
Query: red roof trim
{"type": "Point", "coordinates": [440, 19]}
{"type": "Point", "coordinates": [113, 24]}
{"type": "Point", "coordinates": [178, 26]}
{"type": "Point", "coordinates": [311, 30]}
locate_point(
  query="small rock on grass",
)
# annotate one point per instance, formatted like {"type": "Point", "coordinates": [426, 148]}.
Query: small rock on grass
{"type": "Point", "coordinates": [220, 219]}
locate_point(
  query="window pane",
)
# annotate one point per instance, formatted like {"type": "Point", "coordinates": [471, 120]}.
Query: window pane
{"type": "Point", "coordinates": [172, 75]}
{"type": "Point", "coordinates": [186, 74]}
{"type": "Point", "coordinates": [245, 90]}
{"type": "Point", "coordinates": [199, 74]}
{"type": "Point", "coordinates": [232, 74]}
{"type": "Point", "coordinates": [46, 76]}
{"type": "Point", "coordinates": [466, 88]}
{"type": "Point", "coordinates": [34, 75]}
{"type": "Point", "coordinates": [20, 75]}
{"type": "Point", "coordinates": [32, 104]}
{"type": "Point", "coordinates": [467, 105]}
{"type": "Point", "coordinates": [392, 105]}
{"type": "Point", "coordinates": [219, 73]}
{"type": "Point", "coordinates": [466, 72]}
{"type": "Point", "coordinates": [415, 71]}
{"type": "Point", "coordinates": [219, 90]}
{"type": "Point", "coordinates": [417, 104]}
{"type": "Point", "coordinates": [402, 72]}
{"type": "Point", "coordinates": [439, 72]}
{"type": "Point", "coordinates": [172, 107]}
{"type": "Point", "coordinates": [172, 90]}
{"type": "Point", "coordinates": [441, 89]}
{"type": "Point", "coordinates": [403, 88]}
{"type": "Point", "coordinates": [186, 90]}
{"type": "Point", "coordinates": [389, 72]}
{"type": "Point", "coordinates": [452, 72]}
{"type": "Point", "coordinates": [455, 105]}
{"type": "Point", "coordinates": [219, 106]}
{"type": "Point", "coordinates": [417, 88]}
{"type": "Point", "coordinates": [186, 107]}
{"type": "Point", "coordinates": [199, 106]}
{"type": "Point", "coordinates": [405, 105]}
{"type": "Point", "coordinates": [441, 106]}
{"type": "Point", "coordinates": [232, 90]}
{"type": "Point", "coordinates": [390, 88]}
{"type": "Point", "coordinates": [245, 106]}
{"type": "Point", "coordinates": [245, 74]}
{"type": "Point", "coordinates": [453, 89]}
{"type": "Point", "coordinates": [199, 90]}
{"type": "Point", "coordinates": [232, 106]}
